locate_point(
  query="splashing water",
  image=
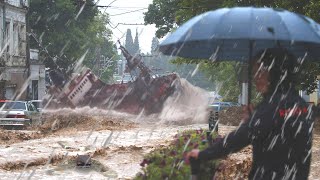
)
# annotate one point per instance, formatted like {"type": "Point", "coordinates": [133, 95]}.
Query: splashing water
{"type": "Point", "coordinates": [187, 105]}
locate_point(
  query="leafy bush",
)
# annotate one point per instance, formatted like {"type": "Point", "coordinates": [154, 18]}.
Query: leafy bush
{"type": "Point", "coordinates": [168, 162]}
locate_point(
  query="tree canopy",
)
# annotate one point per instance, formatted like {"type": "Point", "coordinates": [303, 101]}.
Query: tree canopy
{"type": "Point", "coordinates": [167, 15]}
{"type": "Point", "coordinates": [160, 64]}
{"type": "Point", "coordinates": [131, 45]}
{"type": "Point", "coordinates": [154, 44]}
{"type": "Point", "coordinates": [64, 30]}
{"type": "Point", "coordinates": [136, 44]}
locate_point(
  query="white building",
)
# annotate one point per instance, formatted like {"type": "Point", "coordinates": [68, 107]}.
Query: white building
{"type": "Point", "coordinates": [13, 43]}
{"type": "Point", "coordinates": [37, 84]}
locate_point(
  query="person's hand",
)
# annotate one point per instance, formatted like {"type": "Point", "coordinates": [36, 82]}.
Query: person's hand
{"type": "Point", "coordinates": [194, 153]}
{"type": "Point", "coordinates": [246, 112]}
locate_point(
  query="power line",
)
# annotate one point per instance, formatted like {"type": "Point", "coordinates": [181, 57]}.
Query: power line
{"type": "Point", "coordinates": [118, 7]}
{"type": "Point", "coordinates": [109, 5]}
{"type": "Point", "coordinates": [112, 2]}
{"type": "Point", "coordinates": [136, 24]}
{"type": "Point", "coordinates": [115, 27]}
{"type": "Point", "coordinates": [96, 2]}
{"type": "Point", "coordinates": [128, 12]}
{"type": "Point", "coordinates": [128, 7]}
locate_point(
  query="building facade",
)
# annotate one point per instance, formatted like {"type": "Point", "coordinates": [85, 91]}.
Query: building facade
{"type": "Point", "coordinates": [37, 83]}
{"type": "Point", "coordinates": [14, 66]}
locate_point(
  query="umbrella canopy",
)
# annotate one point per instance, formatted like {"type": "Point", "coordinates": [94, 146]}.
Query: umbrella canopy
{"type": "Point", "coordinates": [237, 33]}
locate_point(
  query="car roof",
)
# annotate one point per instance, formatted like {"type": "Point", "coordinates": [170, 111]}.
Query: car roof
{"type": "Point", "coordinates": [12, 101]}
{"type": "Point", "coordinates": [225, 103]}
{"type": "Point", "coordinates": [37, 100]}
{"type": "Point", "coordinates": [221, 103]}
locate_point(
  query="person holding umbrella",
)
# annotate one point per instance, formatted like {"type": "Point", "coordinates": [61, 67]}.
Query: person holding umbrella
{"type": "Point", "coordinates": [279, 128]}
{"type": "Point", "coordinates": [274, 43]}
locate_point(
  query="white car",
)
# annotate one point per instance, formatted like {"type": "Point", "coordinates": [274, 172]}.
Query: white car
{"type": "Point", "coordinates": [18, 113]}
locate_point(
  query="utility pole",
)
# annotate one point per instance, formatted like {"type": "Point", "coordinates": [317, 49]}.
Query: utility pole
{"type": "Point", "coordinates": [2, 61]}
{"type": "Point", "coordinates": [27, 50]}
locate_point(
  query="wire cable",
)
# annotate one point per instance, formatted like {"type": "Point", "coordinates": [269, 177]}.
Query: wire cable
{"type": "Point", "coordinates": [109, 5]}
{"type": "Point", "coordinates": [128, 12]}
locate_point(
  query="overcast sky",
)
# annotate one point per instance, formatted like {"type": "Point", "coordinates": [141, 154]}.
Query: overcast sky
{"type": "Point", "coordinates": [146, 33]}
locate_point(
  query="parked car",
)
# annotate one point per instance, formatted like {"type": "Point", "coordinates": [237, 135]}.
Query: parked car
{"type": "Point", "coordinates": [18, 113]}
{"type": "Point", "coordinates": [218, 106]}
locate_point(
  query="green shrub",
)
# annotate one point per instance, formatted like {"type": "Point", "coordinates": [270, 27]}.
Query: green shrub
{"type": "Point", "coordinates": [168, 162]}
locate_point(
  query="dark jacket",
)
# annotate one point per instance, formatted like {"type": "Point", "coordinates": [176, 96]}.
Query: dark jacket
{"type": "Point", "coordinates": [280, 132]}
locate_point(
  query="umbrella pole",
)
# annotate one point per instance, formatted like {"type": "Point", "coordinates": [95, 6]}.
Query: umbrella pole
{"type": "Point", "coordinates": [250, 62]}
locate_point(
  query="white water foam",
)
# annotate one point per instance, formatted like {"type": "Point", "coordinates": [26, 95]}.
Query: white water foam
{"type": "Point", "coordinates": [188, 104]}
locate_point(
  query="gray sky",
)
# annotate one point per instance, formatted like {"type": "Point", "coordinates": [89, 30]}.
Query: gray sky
{"type": "Point", "coordinates": [146, 33]}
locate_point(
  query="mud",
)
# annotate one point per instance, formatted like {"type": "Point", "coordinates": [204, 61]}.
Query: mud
{"type": "Point", "coordinates": [53, 123]}
{"type": "Point", "coordinates": [235, 166]}
{"type": "Point", "coordinates": [10, 137]}
{"type": "Point", "coordinates": [68, 122]}
{"type": "Point", "coordinates": [230, 116]}
{"type": "Point", "coordinates": [317, 126]}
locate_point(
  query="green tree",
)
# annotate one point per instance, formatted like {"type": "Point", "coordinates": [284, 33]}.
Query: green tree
{"type": "Point", "coordinates": [129, 42]}
{"type": "Point", "coordinates": [227, 76]}
{"type": "Point", "coordinates": [167, 15]}
{"type": "Point", "coordinates": [163, 65]}
{"type": "Point", "coordinates": [154, 44]}
{"type": "Point", "coordinates": [136, 46]}
{"type": "Point", "coordinates": [64, 30]}
{"type": "Point", "coordinates": [162, 14]}
{"type": "Point", "coordinates": [107, 74]}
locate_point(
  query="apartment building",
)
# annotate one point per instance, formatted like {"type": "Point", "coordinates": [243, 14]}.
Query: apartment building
{"type": "Point", "coordinates": [14, 67]}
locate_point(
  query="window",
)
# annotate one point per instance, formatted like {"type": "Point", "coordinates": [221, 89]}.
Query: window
{"type": "Point", "coordinates": [31, 107]}
{"type": "Point", "coordinates": [14, 105]}
{"type": "Point", "coordinates": [7, 36]}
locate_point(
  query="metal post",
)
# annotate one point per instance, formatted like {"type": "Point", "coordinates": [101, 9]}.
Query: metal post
{"type": "Point", "coordinates": [244, 97]}
{"type": "Point", "coordinates": [250, 71]}
{"type": "Point", "coordinates": [243, 79]}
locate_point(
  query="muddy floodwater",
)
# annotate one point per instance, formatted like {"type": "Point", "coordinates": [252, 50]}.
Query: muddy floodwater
{"type": "Point", "coordinates": [116, 153]}
{"type": "Point", "coordinates": [116, 142]}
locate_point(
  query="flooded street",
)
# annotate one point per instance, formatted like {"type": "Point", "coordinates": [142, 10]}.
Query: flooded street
{"type": "Point", "coordinates": [116, 154]}
{"type": "Point", "coordinates": [111, 84]}
{"type": "Point", "coordinates": [115, 141]}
